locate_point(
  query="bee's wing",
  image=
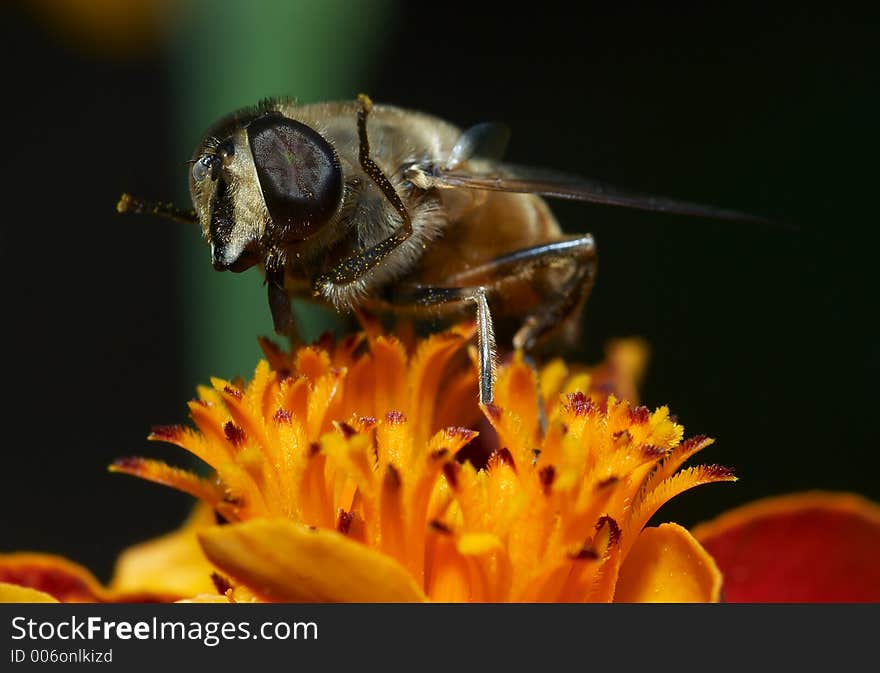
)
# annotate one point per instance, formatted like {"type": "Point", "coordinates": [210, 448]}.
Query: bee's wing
{"type": "Point", "coordinates": [496, 176]}
{"type": "Point", "coordinates": [487, 140]}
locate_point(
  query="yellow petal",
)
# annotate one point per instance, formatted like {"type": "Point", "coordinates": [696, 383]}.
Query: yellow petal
{"type": "Point", "coordinates": [13, 593]}
{"type": "Point", "coordinates": [389, 382]}
{"type": "Point", "coordinates": [170, 565]}
{"type": "Point", "coordinates": [206, 598]}
{"type": "Point", "coordinates": [286, 562]}
{"type": "Point", "coordinates": [517, 391]}
{"type": "Point", "coordinates": [447, 577]}
{"type": "Point", "coordinates": [667, 565]}
{"type": "Point", "coordinates": [477, 544]}
{"type": "Point", "coordinates": [625, 364]}
{"type": "Point", "coordinates": [162, 473]}
{"type": "Point", "coordinates": [425, 376]}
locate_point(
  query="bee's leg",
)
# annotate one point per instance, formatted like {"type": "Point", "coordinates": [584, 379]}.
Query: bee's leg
{"type": "Point", "coordinates": [485, 346]}
{"type": "Point", "coordinates": [353, 268]}
{"type": "Point", "coordinates": [578, 254]}
{"type": "Point", "coordinates": [283, 318]}
{"type": "Point", "coordinates": [426, 296]}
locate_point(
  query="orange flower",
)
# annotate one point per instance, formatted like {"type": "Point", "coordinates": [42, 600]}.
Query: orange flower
{"type": "Point", "coordinates": [357, 472]}
{"type": "Point", "coordinates": [365, 471]}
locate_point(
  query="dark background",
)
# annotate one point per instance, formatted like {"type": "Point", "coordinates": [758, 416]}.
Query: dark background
{"type": "Point", "coordinates": [762, 338]}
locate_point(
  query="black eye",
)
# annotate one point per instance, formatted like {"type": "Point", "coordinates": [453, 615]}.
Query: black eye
{"type": "Point", "coordinates": [208, 164]}
{"type": "Point", "coordinates": [201, 168]}
{"type": "Point", "coordinates": [299, 174]}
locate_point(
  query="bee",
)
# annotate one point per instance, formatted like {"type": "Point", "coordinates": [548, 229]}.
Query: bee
{"type": "Point", "coordinates": [374, 208]}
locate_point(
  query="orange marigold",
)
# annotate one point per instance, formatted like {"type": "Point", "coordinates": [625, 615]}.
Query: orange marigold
{"type": "Point", "coordinates": [359, 471]}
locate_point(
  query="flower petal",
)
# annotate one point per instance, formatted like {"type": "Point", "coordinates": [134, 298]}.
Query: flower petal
{"type": "Point", "coordinates": [808, 547]}
{"type": "Point", "coordinates": [623, 369]}
{"type": "Point", "coordinates": [162, 473]}
{"type": "Point", "coordinates": [667, 565]}
{"type": "Point", "coordinates": [206, 598]}
{"type": "Point", "coordinates": [172, 565]}
{"type": "Point", "coordinates": [283, 561]}
{"type": "Point", "coordinates": [64, 580]}
{"type": "Point", "coordinates": [14, 593]}
{"type": "Point", "coordinates": [425, 376]}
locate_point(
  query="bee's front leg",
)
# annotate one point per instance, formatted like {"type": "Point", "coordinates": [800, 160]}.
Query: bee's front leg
{"type": "Point", "coordinates": [283, 318]}
{"type": "Point", "coordinates": [353, 268]}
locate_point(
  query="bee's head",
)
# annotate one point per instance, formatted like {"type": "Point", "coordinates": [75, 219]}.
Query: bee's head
{"type": "Point", "coordinates": [260, 182]}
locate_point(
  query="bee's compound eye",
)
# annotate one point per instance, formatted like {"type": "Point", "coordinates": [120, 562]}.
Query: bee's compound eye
{"type": "Point", "coordinates": [201, 168]}
{"type": "Point", "coordinates": [299, 175]}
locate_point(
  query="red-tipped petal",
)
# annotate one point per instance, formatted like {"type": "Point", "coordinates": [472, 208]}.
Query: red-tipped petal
{"type": "Point", "coordinates": [61, 579]}
{"type": "Point", "coordinates": [811, 547]}
{"type": "Point", "coordinates": [13, 593]}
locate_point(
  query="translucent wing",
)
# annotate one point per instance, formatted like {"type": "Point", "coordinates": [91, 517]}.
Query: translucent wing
{"type": "Point", "coordinates": [487, 140]}
{"type": "Point", "coordinates": [502, 177]}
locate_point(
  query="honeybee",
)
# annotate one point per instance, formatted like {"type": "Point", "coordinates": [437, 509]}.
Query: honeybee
{"type": "Point", "coordinates": [372, 207]}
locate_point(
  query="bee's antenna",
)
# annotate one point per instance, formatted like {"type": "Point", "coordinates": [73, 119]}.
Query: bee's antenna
{"type": "Point", "coordinates": [129, 204]}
